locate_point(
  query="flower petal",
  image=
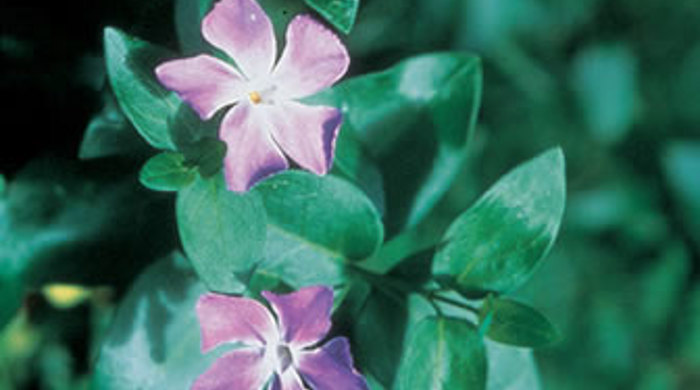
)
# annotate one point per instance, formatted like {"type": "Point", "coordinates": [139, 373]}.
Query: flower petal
{"type": "Point", "coordinates": [289, 380]}
{"type": "Point", "coordinates": [243, 369]}
{"type": "Point", "coordinates": [313, 59]}
{"type": "Point", "coordinates": [205, 82]}
{"type": "Point", "coordinates": [251, 155]}
{"type": "Point", "coordinates": [330, 367]}
{"type": "Point", "coordinates": [243, 31]}
{"type": "Point", "coordinates": [224, 319]}
{"type": "Point", "coordinates": [304, 316]}
{"type": "Point", "coordinates": [307, 134]}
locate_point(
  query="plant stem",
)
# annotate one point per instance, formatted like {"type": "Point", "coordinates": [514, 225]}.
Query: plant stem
{"type": "Point", "coordinates": [454, 302]}
{"type": "Point", "coordinates": [391, 285]}
{"type": "Point", "coordinates": [400, 248]}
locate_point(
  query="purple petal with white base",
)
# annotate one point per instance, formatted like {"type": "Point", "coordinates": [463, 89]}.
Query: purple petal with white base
{"type": "Point", "coordinates": [225, 319]}
{"type": "Point", "coordinates": [330, 367]}
{"type": "Point", "coordinates": [242, 369]}
{"type": "Point", "coordinates": [304, 316]}
{"type": "Point", "coordinates": [251, 154]}
{"type": "Point", "coordinates": [313, 59]}
{"type": "Point", "coordinates": [221, 87]}
{"type": "Point", "coordinates": [306, 134]}
{"type": "Point", "coordinates": [243, 31]}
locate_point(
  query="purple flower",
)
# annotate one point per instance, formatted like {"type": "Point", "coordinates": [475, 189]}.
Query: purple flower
{"type": "Point", "coordinates": [266, 122]}
{"type": "Point", "coordinates": [280, 354]}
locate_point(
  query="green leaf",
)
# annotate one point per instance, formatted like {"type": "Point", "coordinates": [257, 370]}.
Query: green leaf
{"type": "Point", "coordinates": [340, 13]}
{"type": "Point", "coordinates": [166, 172]}
{"type": "Point", "coordinates": [682, 164]}
{"type": "Point", "coordinates": [11, 296]}
{"type": "Point", "coordinates": [109, 133]}
{"type": "Point", "coordinates": [154, 341]}
{"type": "Point", "coordinates": [147, 104]}
{"type": "Point", "coordinates": [383, 317]}
{"type": "Point", "coordinates": [517, 324]}
{"type": "Point", "coordinates": [609, 110]}
{"type": "Point", "coordinates": [315, 226]}
{"type": "Point", "coordinates": [206, 153]}
{"type": "Point", "coordinates": [416, 119]}
{"type": "Point", "coordinates": [510, 368]}
{"type": "Point", "coordinates": [686, 330]}
{"type": "Point", "coordinates": [188, 19]}
{"type": "Point", "coordinates": [354, 163]}
{"type": "Point", "coordinates": [495, 245]}
{"type": "Point", "coordinates": [222, 232]}
{"type": "Point", "coordinates": [443, 353]}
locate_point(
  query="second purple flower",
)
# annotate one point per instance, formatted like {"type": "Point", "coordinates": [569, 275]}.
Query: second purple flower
{"type": "Point", "coordinates": [280, 352]}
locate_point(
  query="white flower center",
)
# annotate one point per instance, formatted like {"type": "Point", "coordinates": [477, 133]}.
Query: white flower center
{"type": "Point", "coordinates": [284, 358]}
{"type": "Point", "coordinates": [279, 356]}
{"type": "Point", "coordinates": [260, 91]}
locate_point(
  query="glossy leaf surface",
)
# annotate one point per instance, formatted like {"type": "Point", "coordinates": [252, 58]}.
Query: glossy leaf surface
{"type": "Point", "coordinates": [147, 104]}
{"type": "Point", "coordinates": [443, 353]}
{"type": "Point", "coordinates": [166, 172]}
{"type": "Point", "coordinates": [223, 232]}
{"type": "Point", "coordinates": [416, 118]}
{"type": "Point", "coordinates": [315, 225]}
{"type": "Point", "coordinates": [514, 323]}
{"type": "Point", "coordinates": [340, 13]}
{"type": "Point", "coordinates": [497, 242]}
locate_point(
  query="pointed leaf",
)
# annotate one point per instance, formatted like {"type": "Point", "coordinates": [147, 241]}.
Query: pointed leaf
{"type": "Point", "coordinates": [517, 324]}
{"type": "Point", "coordinates": [147, 104]}
{"type": "Point", "coordinates": [496, 244]}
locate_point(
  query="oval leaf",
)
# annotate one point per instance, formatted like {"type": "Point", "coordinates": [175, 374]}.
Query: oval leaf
{"type": "Point", "coordinates": [315, 226]}
{"type": "Point", "coordinates": [443, 353]}
{"type": "Point", "coordinates": [166, 172]}
{"type": "Point", "coordinates": [223, 233]}
{"type": "Point", "coordinates": [130, 63]}
{"type": "Point", "coordinates": [514, 323]}
{"type": "Point", "coordinates": [496, 243]}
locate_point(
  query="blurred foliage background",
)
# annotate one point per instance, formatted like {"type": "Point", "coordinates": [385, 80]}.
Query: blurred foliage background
{"type": "Point", "coordinates": [615, 82]}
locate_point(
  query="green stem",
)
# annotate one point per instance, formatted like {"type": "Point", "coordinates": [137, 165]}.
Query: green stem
{"type": "Point", "coordinates": [391, 285]}
{"type": "Point", "coordinates": [398, 249]}
{"type": "Point", "coordinates": [454, 302]}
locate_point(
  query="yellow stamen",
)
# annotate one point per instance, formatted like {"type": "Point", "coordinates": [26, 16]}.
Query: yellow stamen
{"type": "Point", "coordinates": [255, 97]}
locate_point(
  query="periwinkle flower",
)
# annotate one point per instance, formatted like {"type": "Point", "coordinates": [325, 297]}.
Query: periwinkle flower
{"type": "Point", "coordinates": [279, 352]}
{"type": "Point", "coordinates": [267, 123]}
